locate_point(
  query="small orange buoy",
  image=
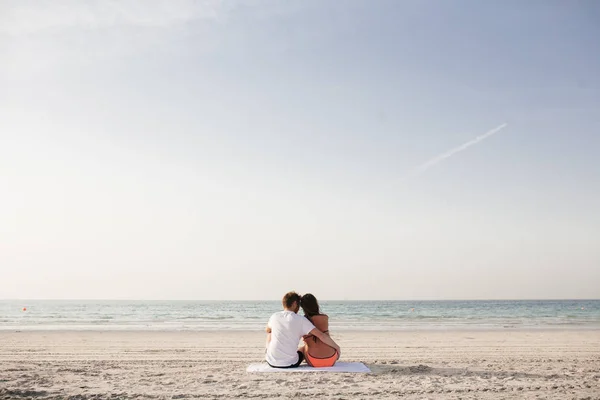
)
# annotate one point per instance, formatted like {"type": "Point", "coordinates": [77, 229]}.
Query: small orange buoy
{"type": "Point", "coordinates": [24, 308]}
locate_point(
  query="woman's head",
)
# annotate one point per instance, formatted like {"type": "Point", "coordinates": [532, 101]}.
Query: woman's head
{"type": "Point", "coordinates": [310, 305]}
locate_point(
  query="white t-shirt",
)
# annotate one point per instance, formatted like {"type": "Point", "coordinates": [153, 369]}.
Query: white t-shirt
{"type": "Point", "coordinates": [287, 328]}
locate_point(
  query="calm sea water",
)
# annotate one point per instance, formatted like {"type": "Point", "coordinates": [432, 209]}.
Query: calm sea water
{"type": "Point", "coordinates": [253, 315]}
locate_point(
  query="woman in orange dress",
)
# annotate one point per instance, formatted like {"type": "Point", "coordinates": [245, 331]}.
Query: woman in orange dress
{"type": "Point", "coordinates": [317, 353]}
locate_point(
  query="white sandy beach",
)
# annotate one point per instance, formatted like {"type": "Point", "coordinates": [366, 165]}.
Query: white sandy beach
{"type": "Point", "coordinates": [412, 365]}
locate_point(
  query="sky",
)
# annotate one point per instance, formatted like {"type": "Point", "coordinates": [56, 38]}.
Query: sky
{"type": "Point", "coordinates": [184, 149]}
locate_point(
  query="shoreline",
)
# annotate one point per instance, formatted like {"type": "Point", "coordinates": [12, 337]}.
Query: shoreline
{"type": "Point", "coordinates": [351, 331]}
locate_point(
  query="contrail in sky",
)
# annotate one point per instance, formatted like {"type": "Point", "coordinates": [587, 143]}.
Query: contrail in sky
{"type": "Point", "coordinates": [436, 160]}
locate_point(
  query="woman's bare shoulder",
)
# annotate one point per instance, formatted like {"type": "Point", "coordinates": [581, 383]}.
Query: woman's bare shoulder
{"type": "Point", "coordinates": [321, 317]}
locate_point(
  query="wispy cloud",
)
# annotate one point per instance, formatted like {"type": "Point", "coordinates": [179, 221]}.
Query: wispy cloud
{"type": "Point", "coordinates": [438, 159]}
{"type": "Point", "coordinates": [19, 17]}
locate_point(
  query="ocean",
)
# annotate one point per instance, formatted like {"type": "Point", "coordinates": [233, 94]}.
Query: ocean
{"type": "Point", "coordinates": [253, 315]}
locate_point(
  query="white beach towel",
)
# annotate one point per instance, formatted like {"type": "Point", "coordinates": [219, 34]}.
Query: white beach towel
{"type": "Point", "coordinates": [338, 367]}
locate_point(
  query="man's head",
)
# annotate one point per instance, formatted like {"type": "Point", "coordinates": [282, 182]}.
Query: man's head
{"type": "Point", "coordinates": [291, 301]}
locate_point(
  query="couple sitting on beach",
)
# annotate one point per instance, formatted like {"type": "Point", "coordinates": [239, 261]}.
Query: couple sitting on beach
{"type": "Point", "coordinates": [286, 328]}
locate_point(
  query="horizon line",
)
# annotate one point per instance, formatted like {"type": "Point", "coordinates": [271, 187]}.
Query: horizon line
{"type": "Point", "coordinates": [269, 300]}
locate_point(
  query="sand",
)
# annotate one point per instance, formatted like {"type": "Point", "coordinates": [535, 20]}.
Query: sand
{"type": "Point", "coordinates": [410, 365]}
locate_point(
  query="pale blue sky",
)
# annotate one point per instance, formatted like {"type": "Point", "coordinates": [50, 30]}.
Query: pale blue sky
{"type": "Point", "coordinates": [222, 150]}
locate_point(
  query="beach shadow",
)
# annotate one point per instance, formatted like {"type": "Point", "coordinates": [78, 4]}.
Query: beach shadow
{"type": "Point", "coordinates": [21, 394]}
{"type": "Point", "coordinates": [397, 369]}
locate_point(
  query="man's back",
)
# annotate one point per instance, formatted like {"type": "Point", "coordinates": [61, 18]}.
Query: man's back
{"type": "Point", "coordinates": [287, 328]}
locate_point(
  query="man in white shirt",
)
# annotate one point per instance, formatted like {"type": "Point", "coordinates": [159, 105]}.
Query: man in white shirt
{"type": "Point", "coordinates": [284, 331]}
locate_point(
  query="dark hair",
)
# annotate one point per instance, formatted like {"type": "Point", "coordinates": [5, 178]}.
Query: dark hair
{"type": "Point", "coordinates": [310, 305]}
{"type": "Point", "coordinates": [289, 299]}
